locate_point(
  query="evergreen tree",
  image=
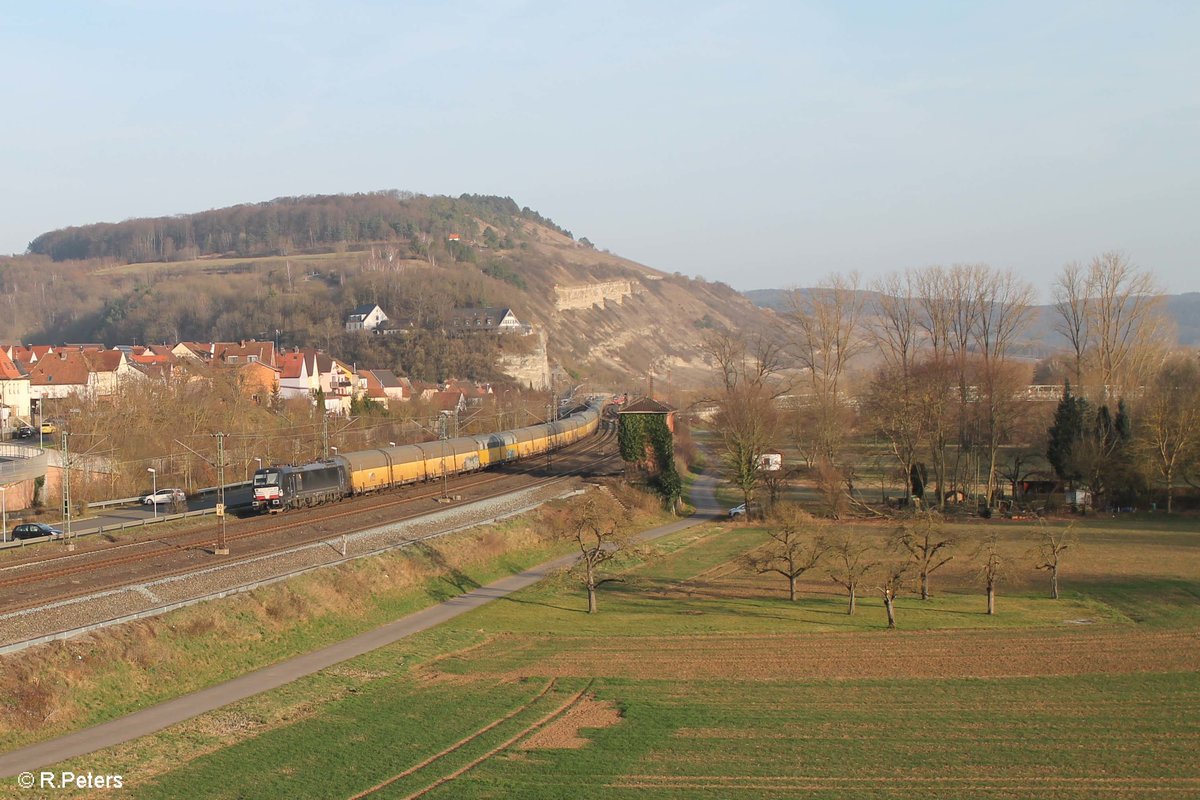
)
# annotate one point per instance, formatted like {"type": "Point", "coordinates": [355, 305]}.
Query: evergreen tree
{"type": "Point", "coordinates": [1065, 434]}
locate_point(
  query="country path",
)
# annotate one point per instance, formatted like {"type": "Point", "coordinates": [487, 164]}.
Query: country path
{"type": "Point", "coordinates": [171, 712]}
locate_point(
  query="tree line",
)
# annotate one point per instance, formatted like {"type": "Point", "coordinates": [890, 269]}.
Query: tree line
{"type": "Point", "coordinates": [288, 225]}
{"type": "Point", "coordinates": [928, 366]}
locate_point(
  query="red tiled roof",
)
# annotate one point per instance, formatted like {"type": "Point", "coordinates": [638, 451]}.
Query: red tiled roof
{"type": "Point", "coordinates": [646, 405]}
{"type": "Point", "coordinates": [446, 401]}
{"type": "Point", "coordinates": [72, 367]}
{"type": "Point", "coordinates": [8, 370]}
{"type": "Point", "coordinates": [64, 368]}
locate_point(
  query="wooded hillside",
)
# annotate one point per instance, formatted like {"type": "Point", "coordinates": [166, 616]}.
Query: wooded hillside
{"type": "Point", "coordinates": [291, 270]}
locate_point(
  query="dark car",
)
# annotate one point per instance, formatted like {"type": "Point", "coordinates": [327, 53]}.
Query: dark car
{"type": "Point", "coordinates": [25, 431]}
{"type": "Point", "coordinates": [35, 530]}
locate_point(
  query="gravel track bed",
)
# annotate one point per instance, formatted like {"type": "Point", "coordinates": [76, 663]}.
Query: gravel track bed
{"type": "Point", "coordinates": [61, 619]}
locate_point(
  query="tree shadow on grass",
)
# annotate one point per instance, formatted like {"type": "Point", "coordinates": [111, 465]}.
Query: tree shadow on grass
{"type": "Point", "coordinates": [523, 601]}
{"type": "Point", "coordinates": [450, 575]}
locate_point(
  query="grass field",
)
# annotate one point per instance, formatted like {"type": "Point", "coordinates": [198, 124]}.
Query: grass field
{"type": "Point", "coordinates": [698, 679]}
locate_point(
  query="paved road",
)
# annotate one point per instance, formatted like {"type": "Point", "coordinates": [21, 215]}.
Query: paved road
{"type": "Point", "coordinates": [114, 517]}
{"type": "Point", "coordinates": [171, 712]}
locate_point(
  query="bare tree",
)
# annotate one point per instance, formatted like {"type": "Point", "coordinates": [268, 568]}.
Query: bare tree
{"type": "Point", "coordinates": [794, 548]}
{"type": "Point", "coordinates": [894, 328]}
{"type": "Point", "coordinates": [934, 388]}
{"type": "Point", "coordinates": [1049, 555]}
{"type": "Point", "coordinates": [748, 421]}
{"type": "Point", "coordinates": [1004, 307]}
{"type": "Point", "coordinates": [1071, 306]}
{"type": "Point", "coordinates": [892, 577]}
{"type": "Point", "coordinates": [597, 525]}
{"type": "Point", "coordinates": [892, 407]}
{"type": "Point", "coordinates": [1169, 422]}
{"type": "Point", "coordinates": [1111, 316]}
{"type": "Point", "coordinates": [828, 323]}
{"type": "Point", "coordinates": [852, 563]}
{"type": "Point", "coordinates": [927, 544]}
{"type": "Point", "coordinates": [990, 566]}
{"type": "Point", "coordinates": [1126, 318]}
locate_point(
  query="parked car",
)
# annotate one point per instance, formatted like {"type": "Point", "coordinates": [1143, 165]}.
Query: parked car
{"type": "Point", "coordinates": [739, 512]}
{"type": "Point", "coordinates": [35, 530]}
{"type": "Point", "coordinates": [25, 431]}
{"type": "Point", "coordinates": [164, 496]}
{"type": "Point", "coordinates": [49, 427]}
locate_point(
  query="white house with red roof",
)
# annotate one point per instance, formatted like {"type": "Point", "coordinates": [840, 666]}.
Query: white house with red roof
{"type": "Point", "coordinates": [14, 392]}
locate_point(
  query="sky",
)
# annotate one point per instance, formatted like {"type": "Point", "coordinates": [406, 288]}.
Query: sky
{"type": "Point", "coordinates": [763, 144]}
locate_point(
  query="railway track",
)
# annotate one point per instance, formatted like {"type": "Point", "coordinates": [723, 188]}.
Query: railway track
{"type": "Point", "coordinates": [66, 576]}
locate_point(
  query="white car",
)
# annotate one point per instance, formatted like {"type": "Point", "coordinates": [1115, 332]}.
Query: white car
{"type": "Point", "coordinates": [737, 511]}
{"type": "Point", "coordinates": [164, 496]}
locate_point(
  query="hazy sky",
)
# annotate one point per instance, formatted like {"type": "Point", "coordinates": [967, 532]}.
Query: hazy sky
{"type": "Point", "coordinates": [761, 144]}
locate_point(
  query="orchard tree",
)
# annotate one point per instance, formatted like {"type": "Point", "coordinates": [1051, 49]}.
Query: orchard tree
{"type": "Point", "coordinates": [598, 527]}
{"type": "Point", "coordinates": [794, 548]}
{"type": "Point", "coordinates": [893, 575]}
{"type": "Point", "coordinates": [926, 543]}
{"type": "Point", "coordinates": [988, 559]}
{"type": "Point", "coordinates": [852, 562]}
{"type": "Point", "coordinates": [1050, 551]}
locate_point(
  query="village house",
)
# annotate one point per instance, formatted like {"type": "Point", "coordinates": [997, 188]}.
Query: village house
{"type": "Point", "coordinates": [86, 373]}
{"type": "Point", "coordinates": [366, 318]}
{"type": "Point", "coordinates": [298, 377]}
{"type": "Point", "coordinates": [258, 381]}
{"type": "Point", "coordinates": [14, 393]}
{"type": "Point", "coordinates": [397, 325]}
{"type": "Point", "coordinates": [383, 387]}
{"type": "Point", "coordinates": [197, 351]}
{"type": "Point", "coordinates": [307, 373]}
{"type": "Point", "coordinates": [244, 352]}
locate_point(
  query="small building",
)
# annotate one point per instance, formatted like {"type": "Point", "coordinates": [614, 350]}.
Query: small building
{"type": "Point", "coordinates": [366, 318]}
{"type": "Point", "coordinates": [648, 405]}
{"type": "Point", "coordinates": [397, 325]}
{"type": "Point", "coordinates": [770, 462]}
{"type": "Point", "coordinates": [1079, 498]}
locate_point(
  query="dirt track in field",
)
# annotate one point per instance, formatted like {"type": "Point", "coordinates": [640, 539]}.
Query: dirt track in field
{"type": "Point", "coordinates": [894, 654]}
{"type": "Point", "coordinates": [563, 733]}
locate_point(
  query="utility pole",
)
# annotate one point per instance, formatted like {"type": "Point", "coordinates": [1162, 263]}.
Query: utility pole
{"type": "Point", "coordinates": [550, 434]}
{"type": "Point", "coordinates": [325, 433]}
{"type": "Point", "coordinates": [222, 548]}
{"type": "Point", "coordinates": [66, 483]}
{"type": "Point", "coordinates": [443, 436]}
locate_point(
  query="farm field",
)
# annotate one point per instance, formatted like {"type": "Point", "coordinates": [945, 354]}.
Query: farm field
{"type": "Point", "coordinates": [699, 679]}
{"type": "Point", "coordinates": [212, 264]}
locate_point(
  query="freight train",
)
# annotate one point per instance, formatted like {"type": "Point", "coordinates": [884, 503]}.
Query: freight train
{"type": "Point", "coordinates": [281, 487]}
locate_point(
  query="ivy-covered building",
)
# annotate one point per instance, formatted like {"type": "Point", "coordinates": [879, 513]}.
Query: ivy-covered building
{"type": "Point", "coordinates": [648, 405]}
{"type": "Point", "coordinates": [645, 431]}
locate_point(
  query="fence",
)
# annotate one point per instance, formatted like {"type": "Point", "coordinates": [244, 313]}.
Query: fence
{"type": "Point", "coordinates": [20, 462]}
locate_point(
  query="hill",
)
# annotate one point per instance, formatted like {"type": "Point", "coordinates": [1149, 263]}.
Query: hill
{"type": "Point", "coordinates": [292, 268]}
